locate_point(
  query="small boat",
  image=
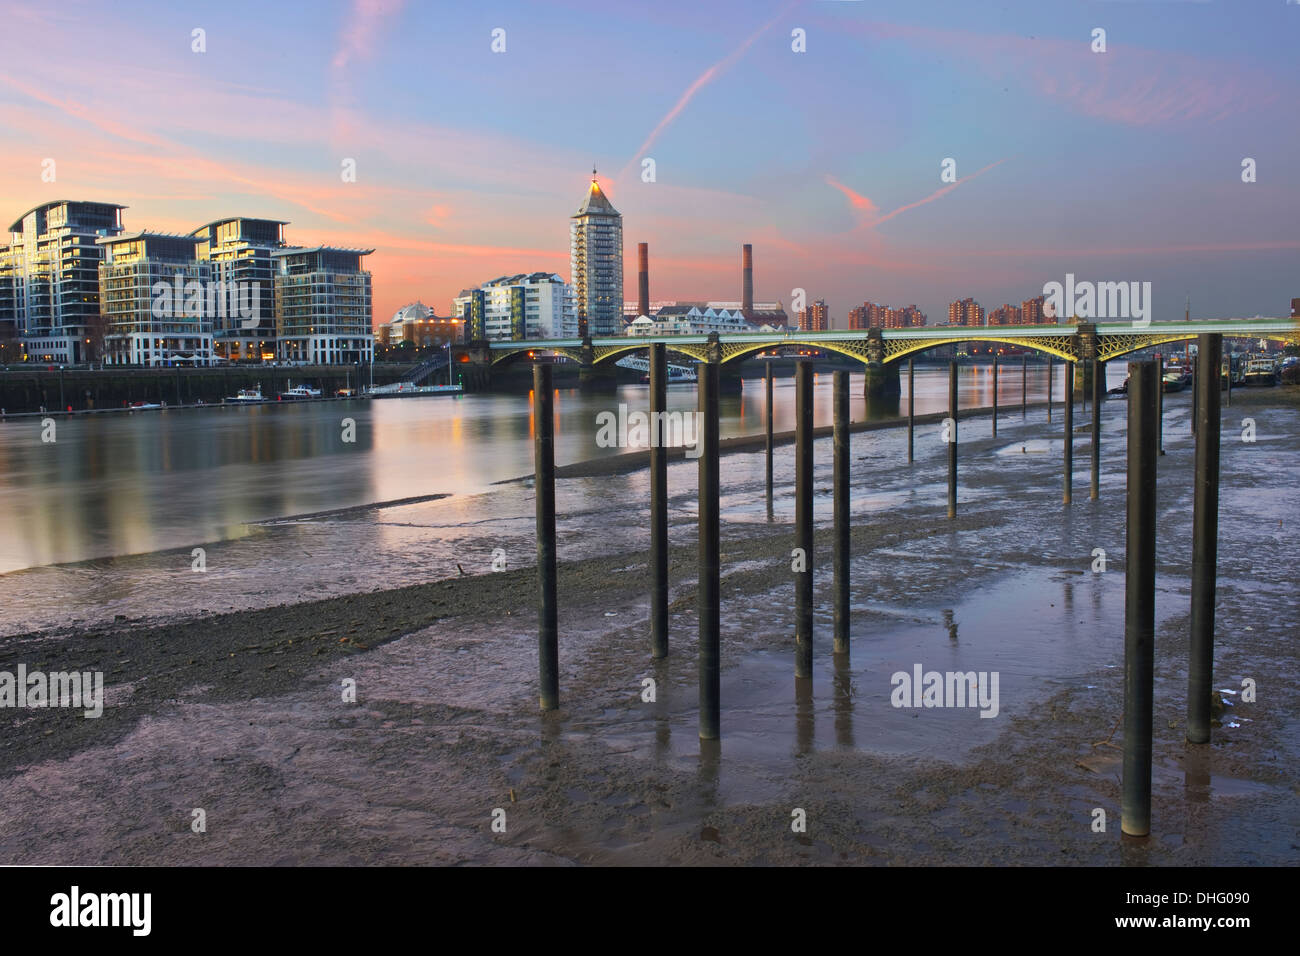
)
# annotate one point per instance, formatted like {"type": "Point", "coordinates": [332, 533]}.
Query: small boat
{"type": "Point", "coordinates": [248, 394]}
{"type": "Point", "coordinates": [1232, 370]}
{"type": "Point", "coordinates": [1262, 370]}
{"type": "Point", "coordinates": [1177, 378]}
{"type": "Point", "coordinates": [143, 406]}
{"type": "Point", "coordinates": [300, 391]}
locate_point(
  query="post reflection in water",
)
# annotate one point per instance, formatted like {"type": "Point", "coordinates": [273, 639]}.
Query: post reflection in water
{"type": "Point", "coordinates": [707, 775]}
{"type": "Point", "coordinates": [663, 723]}
{"type": "Point", "coordinates": [804, 716]}
{"type": "Point", "coordinates": [843, 697]}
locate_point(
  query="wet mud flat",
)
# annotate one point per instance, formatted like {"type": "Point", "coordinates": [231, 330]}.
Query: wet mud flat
{"type": "Point", "coordinates": [242, 715]}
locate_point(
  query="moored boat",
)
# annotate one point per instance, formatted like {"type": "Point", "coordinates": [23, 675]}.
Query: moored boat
{"type": "Point", "coordinates": [1177, 378]}
{"type": "Point", "coordinates": [300, 391]}
{"type": "Point", "coordinates": [253, 394]}
{"type": "Point", "coordinates": [1262, 370]}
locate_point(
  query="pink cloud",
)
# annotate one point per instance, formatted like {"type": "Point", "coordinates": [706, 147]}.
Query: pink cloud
{"type": "Point", "coordinates": [857, 200]}
{"type": "Point", "coordinates": [360, 34]}
{"type": "Point", "coordinates": [93, 117]}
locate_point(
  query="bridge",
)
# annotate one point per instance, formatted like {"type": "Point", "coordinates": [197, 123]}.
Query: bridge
{"type": "Point", "coordinates": [879, 350]}
{"type": "Point", "coordinates": [1071, 343]}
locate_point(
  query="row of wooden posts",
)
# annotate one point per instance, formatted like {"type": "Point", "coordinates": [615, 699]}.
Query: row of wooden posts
{"type": "Point", "coordinates": [1145, 399]}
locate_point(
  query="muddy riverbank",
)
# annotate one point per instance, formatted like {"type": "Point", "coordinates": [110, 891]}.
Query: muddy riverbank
{"type": "Point", "coordinates": [243, 714]}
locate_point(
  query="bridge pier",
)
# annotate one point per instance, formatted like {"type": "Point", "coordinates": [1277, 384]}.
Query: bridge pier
{"type": "Point", "coordinates": [594, 378]}
{"type": "Point", "coordinates": [1083, 379]}
{"type": "Point", "coordinates": [881, 380]}
{"type": "Point", "coordinates": [597, 378]}
{"type": "Point", "coordinates": [473, 365]}
{"type": "Point", "coordinates": [729, 382]}
{"type": "Point", "coordinates": [1086, 337]}
{"type": "Point", "coordinates": [728, 376]}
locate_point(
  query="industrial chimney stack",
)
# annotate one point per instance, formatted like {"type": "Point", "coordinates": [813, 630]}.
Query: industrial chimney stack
{"type": "Point", "coordinates": [747, 280]}
{"type": "Point", "coordinates": [642, 278]}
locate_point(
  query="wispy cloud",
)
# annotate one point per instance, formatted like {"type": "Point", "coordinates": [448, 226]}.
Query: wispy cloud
{"type": "Point", "coordinates": [858, 201]}
{"type": "Point", "coordinates": [1135, 86]}
{"type": "Point", "coordinates": [356, 43]}
{"type": "Point", "coordinates": [361, 31]}
{"type": "Point", "coordinates": [84, 114]}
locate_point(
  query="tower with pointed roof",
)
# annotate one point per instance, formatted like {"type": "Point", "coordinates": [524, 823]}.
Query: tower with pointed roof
{"type": "Point", "coordinates": [596, 262]}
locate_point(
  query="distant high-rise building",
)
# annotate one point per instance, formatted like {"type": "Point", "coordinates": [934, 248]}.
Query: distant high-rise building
{"type": "Point", "coordinates": [1031, 310]}
{"type": "Point", "coordinates": [966, 312]}
{"type": "Point", "coordinates": [1006, 315]}
{"type": "Point", "coordinates": [64, 256]}
{"type": "Point", "coordinates": [871, 315]}
{"type": "Point", "coordinates": [156, 300]}
{"type": "Point", "coordinates": [815, 318]}
{"type": "Point", "coordinates": [322, 306]}
{"type": "Point", "coordinates": [239, 251]}
{"type": "Point", "coordinates": [1295, 308]}
{"type": "Point", "coordinates": [596, 263]}
{"type": "Point", "coordinates": [49, 277]}
{"type": "Point", "coordinates": [535, 305]}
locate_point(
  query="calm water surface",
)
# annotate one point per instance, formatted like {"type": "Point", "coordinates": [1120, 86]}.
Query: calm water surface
{"type": "Point", "coordinates": [130, 484]}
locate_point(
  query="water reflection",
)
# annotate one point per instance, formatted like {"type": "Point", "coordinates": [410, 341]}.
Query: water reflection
{"type": "Point", "coordinates": [662, 712]}
{"type": "Point", "coordinates": [149, 481]}
{"type": "Point", "coordinates": [843, 701]}
{"type": "Point", "coordinates": [804, 715]}
{"type": "Point", "coordinates": [706, 776]}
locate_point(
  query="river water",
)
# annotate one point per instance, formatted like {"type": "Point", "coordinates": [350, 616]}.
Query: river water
{"type": "Point", "coordinates": [104, 520]}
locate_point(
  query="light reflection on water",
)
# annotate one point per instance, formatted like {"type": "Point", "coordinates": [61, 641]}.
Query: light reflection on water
{"type": "Point", "coordinates": [132, 484]}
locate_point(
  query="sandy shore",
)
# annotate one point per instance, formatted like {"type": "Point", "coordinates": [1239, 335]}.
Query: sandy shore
{"type": "Point", "coordinates": [241, 715]}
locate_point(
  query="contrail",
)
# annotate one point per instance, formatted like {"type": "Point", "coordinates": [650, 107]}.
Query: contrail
{"type": "Point", "coordinates": [936, 194]}
{"type": "Point", "coordinates": [862, 202]}
{"type": "Point", "coordinates": [702, 81]}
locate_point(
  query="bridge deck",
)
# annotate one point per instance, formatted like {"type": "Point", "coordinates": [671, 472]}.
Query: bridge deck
{"type": "Point", "coordinates": [1244, 328]}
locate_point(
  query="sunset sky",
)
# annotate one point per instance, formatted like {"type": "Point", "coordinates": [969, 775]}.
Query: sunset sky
{"type": "Point", "coordinates": [1123, 165]}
